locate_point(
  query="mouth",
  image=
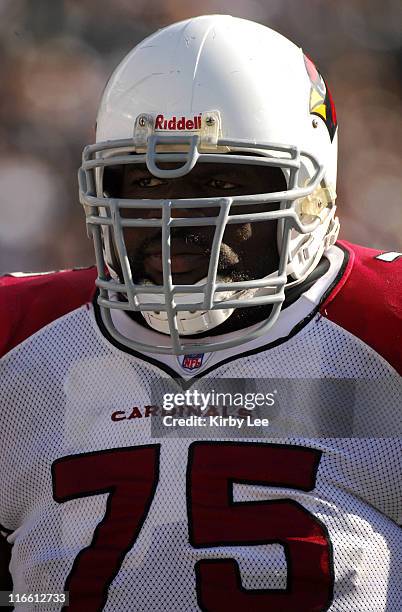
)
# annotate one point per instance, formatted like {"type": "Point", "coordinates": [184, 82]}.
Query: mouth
{"type": "Point", "coordinates": [181, 263]}
{"type": "Point", "coordinates": [185, 258]}
{"type": "Point", "coordinates": [189, 261]}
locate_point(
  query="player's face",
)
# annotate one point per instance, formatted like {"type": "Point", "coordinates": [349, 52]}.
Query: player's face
{"type": "Point", "coordinates": [248, 250]}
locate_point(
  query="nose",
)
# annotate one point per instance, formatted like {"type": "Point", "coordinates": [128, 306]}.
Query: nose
{"type": "Point", "coordinates": [181, 213]}
{"type": "Point", "coordinates": [177, 213]}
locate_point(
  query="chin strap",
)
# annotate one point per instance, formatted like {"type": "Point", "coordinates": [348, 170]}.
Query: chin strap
{"type": "Point", "coordinates": [188, 321]}
{"type": "Point", "coordinates": [197, 321]}
{"type": "Point", "coordinates": [309, 252]}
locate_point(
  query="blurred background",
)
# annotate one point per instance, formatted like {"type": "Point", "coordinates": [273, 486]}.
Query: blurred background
{"type": "Point", "coordinates": [56, 56]}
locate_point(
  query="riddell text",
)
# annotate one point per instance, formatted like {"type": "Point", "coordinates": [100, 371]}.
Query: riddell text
{"type": "Point", "coordinates": [178, 123]}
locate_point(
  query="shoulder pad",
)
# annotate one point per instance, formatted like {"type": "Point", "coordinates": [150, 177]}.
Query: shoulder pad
{"type": "Point", "coordinates": [29, 302]}
{"type": "Point", "coordinates": [367, 301]}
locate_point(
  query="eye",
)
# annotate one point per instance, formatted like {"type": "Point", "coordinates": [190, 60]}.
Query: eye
{"type": "Point", "coordinates": [149, 181]}
{"type": "Point", "coordinates": [221, 184]}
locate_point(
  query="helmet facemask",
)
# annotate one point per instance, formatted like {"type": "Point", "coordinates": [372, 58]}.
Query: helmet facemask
{"type": "Point", "coordinates": [179, 309]}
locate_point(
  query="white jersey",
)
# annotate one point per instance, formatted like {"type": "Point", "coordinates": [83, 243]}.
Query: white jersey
{"type": "Point", "coordinates": [128, 504]}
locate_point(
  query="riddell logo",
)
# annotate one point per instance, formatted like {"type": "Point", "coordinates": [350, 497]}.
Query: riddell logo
{"type": "Point", "coordinates": [178, 123]}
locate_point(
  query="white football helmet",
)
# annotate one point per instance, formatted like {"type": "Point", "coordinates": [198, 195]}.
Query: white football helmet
{"type": "Point", "coordinates": [191, 93]}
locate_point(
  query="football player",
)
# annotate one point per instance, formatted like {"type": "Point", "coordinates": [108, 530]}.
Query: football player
{"type": "Point", "coordinates": [210, 196]}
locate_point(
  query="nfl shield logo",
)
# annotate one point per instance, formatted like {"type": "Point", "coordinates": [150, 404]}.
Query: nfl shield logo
{"type": "Point", "coordinates": [193, 361]}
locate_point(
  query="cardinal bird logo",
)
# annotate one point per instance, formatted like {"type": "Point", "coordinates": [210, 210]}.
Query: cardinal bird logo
{"type": "Point", "coordinates": [321, 102]}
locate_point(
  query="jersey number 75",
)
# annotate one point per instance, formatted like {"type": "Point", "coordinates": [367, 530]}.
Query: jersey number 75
{"type": "Point", "coordinates": [130, 476]}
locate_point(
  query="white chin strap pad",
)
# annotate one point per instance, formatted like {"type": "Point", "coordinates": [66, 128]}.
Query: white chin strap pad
{"type": "Point", "coordinates": [195, 321]}
{"type": "Point", "coordinates": [188, 322]}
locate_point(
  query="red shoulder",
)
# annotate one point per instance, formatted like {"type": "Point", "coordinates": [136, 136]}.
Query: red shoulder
{"type": "Point", "coordinates": [368, 300]}
{"type": "Point", "coordinates": [29, 302]}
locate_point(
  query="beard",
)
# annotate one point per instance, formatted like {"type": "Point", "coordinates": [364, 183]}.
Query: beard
{"type": "Point", "coordinates": [234, 263]}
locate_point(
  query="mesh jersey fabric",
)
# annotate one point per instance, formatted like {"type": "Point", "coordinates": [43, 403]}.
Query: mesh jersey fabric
{"type": "Point", "coordinates": [59, 391]}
